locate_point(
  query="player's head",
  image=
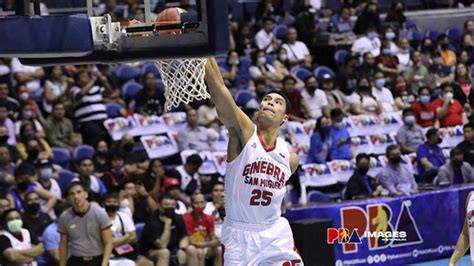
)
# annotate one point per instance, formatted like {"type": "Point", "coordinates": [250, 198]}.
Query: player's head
{"type": "Point", "coordinates": [274, 108]}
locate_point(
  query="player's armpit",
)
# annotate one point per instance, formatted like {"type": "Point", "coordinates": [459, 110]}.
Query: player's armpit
{"type": "Point", "coordinates": [294, 162]}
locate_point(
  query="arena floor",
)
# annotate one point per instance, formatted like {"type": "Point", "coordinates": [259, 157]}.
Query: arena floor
{"type": "Point", "coordinates": [465, 261]}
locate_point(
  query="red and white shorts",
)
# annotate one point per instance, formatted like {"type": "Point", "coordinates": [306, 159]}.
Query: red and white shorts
{"type": "Point", "coordinates": [257, 244]}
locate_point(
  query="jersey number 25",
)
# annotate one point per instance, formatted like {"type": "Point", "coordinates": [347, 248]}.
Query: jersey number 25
{"type": "Point", "coordinates": [261, 197]}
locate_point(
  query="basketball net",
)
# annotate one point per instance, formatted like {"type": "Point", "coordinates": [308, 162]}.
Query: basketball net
{"type": "Point", "coordinates": [183, 80]}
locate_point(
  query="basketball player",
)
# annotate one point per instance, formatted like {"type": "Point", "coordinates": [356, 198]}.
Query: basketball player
{"type": "Point", "coordinates": [466, 238]}
{"type": "Point", "coordinates": [258, 166]}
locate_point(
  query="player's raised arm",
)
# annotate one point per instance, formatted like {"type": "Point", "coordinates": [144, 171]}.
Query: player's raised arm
{"type": "Point", "coordinates": [229, 113]}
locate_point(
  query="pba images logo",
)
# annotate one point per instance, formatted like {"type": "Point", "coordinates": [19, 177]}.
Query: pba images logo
{"type": "Point", "coordinates": [377, 225]}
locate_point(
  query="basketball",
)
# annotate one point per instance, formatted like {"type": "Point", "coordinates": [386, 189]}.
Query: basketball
{"type": "Point", "coordinates": [170, 15]}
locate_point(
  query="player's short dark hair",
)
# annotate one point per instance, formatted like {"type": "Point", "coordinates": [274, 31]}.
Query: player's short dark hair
{"type": "Point", "coordinates": [361, 156]}
{"type": "Point", "coordinates": [165, 196]}
{"type": "Point", "coordinates": [287, 101]}
{"type": "Point", "coordinates": [194, 159]}
{"type": "Point", "coordinates": [455, 152]}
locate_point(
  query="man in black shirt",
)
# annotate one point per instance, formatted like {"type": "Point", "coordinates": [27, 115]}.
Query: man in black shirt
{"type": "Point", "coordinates": [166, 235]}
{"type": "Point", "coordinates": [12, 105]}
{"type": "Point", "coordinates": [467, 145]}
{"type": "Point", "coordinates": [150, 101]}
{"type": "Point", "coordinates": [361, 185]}
{"type": "Point", "coordinates": [33, 218]}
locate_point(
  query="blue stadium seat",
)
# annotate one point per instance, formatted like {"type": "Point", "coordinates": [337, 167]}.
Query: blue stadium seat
{"type": "Point", "coordinates": [243, 96]}
{"type": "Point", "coordinates": [454, 34]}
{"type": "Point", "coordinates": [280, 31]}
{"type": "Point", "coordinates": [150, 67]}
{"type": "Point", "coordinates": [126, 72]}
{"type": "Point", "coordinates": [221, 61]}
{"type": "Point", "coordinates": [433, 35]}
{"type": "Point", "coordinates": [113, 110]}
{"type": "Point", "coordinates": [160, 86]}
{"type": "Point", "coordinates": [270, 59]}
{"type": "Point", "coordinates": [321, 70]}
{"type": "Point", "coordinates": [301, 73]}
{"type": "Point", "coordinates": [340, 56]}
{"type": "Point", "coordinates": [318, 196]}
{"type": "Point", "coordinates": [245, 61]}
{"type": "Point", "coordinates": [130, 89]}
{"type": "Point", "coordinates": [417, 36]}
{"type": "Point", "coordinates": [65, 178]}
{"type": "Point", "coordinates": [82, 152]}
{"type": "Point", "coordinates": [61, 156]}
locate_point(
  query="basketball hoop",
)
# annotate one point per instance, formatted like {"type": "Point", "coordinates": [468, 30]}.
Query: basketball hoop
{"type": "Point", "coordinates": [183, 80]}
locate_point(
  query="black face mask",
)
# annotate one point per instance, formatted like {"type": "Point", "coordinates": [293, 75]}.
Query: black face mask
{"type": "Point", "coordinates": [395, 160]}
{"type": "Point", "coordinates": [3, 139]}
{"type": "Point", "coordinates": [312, 88]}
{"type": "Point", "coordinates": [32, 208]}
{"type": "Point", "coordinates": [363, 169]}
{"type": "Point", "coordinates": [111, 208]}
{"type": "Point", "coordinates": [168, 212]}
{"type": "Point", "coordinates": [102, 153]}
{"type": "Point", "coordinates": [33, 153]}
{"type": "Point", "coordinates": [364, 88]}
{"type": "Point", "coordinates": [23, 185]}
{"type": "Point", "coordinates": [444, 46]}
{"type": "Point", "coordinates": [457, 164]}
{"type": "Point", "coordinates": [128, 147]}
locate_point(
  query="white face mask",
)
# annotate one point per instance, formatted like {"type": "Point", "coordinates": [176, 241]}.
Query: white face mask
{"type": "Point", "coordinates": [261, 61]}
{"type": "Point", "coordinates": [283, 57]}
{"type": "Point", "coordinates": [24, 96]}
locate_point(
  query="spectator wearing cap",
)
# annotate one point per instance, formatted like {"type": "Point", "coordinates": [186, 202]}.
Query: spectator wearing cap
{"type": "Point", "coordinates": [171, 186]}
{"type": "Point", "coordinates": [382, 94]}
{"type": "Point", "coordinates": [193, 136]}
{"type": "Point", "coordinates": [136, 162]}
{"type": "Point", "coordinates": [150, 101]}
{"type": "Point", "coordinates": [7, 169]}
{"type": "Point", "coordinates": [59, 129]}
{"type": "Point", "coordinates": [50, 236]}
{"type": "Point", "coordinates": [117, 174]}
{"type": "Point", "coordinates": [297, 51]}
{"type": "Point", "coordinates": [11, 104]}
{"type": "Point", "coordinates": [315, 99]}
{"type": "Point", "coordinates": [339, 139]}
{"type": "Point", "coordinates": [410, 136]}
{"type": "Point", "coordinates": [166, 235]}
{"type": "Point", "coordinates": [95, 187]}
{"type": "Point", "coordinates": [24, 178]}
{"type": "Point", "coordinates": [34, 219]}
{"type": "Point", "coordinates": [216, 208]}
{"type": "Point", "coordinates": [47, 178]}
{"type": "Point", "coordinates": [424, 109]}
{"type": "Point", "coordinates": [7, 123]}
{"type": "Point", "coordinates": [362, 185]}
{"type": "Point", "coordinates": [85, 231]}
{"type": "Point", "coordinates": [265, 38]}
{"type": "Point", "coordinates": [416, 75]}
{"type": "Point", "coordinates": [467, 145]}
{"type": "Point", "coordinates": [18, 245]}
{"type": "Point", "coordinates": [448, 57]}
{"type": "Point", "coordinates": [449, 111]}
{"type": "Point", "coordinates": [367, 43]}
{"type": "Point", "coordinates": [124, 237]}
{"type": "Point", "coordinates": [455, 171]}
{"type": "Point", "coordinates": [397, 176]}
{"type": "Point", "coordinates": [346, 77]}
{"type": "Point", "coordinates": [341, 22]}
{"type": "Point", "coordinates": [200, 230]}
{"type": "Point", "coordinates": [299, 110]}
{"type": "Point", "coordinates": [430, 156]}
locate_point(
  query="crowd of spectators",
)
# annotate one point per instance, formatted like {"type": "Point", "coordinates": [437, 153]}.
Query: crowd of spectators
{"type": "Point", "coordinates": [385, 70]}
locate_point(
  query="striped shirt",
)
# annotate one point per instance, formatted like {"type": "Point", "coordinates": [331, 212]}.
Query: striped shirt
{"type": "Point", "coordinates": [90, 107]}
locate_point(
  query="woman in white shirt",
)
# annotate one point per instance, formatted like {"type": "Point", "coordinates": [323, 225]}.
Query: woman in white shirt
{"type": "Point", "coordinates": [363, 102]}
{"type": "Point", "coordinates": [56, 88]}
{"type": "Point", "coordinates": [260, 69]}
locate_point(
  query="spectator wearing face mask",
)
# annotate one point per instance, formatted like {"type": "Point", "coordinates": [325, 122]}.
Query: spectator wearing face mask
{"type": "Point", "coordinates": [315, 98]}
{"type": "Point", "coordinates": [114, 178]}
{"type": "Point", "coordinates": [347, 74]}
{"type": "Point", "coordinates": [382, 94]}
{"type": "Point", "coordinates": [362, 185]}
{"type": "Point", "coordinates": [430, 156]}
{"type": "Point", "coordinates": [369, 43]}
{"type": "Point", "coordinates": [4, 140]}
{"type": "Point", "coordinates": [341, 22]}
{"type": "Point", "coordinates": [136, 162]}
{"type": "Point", "coordinates": [397, 176]}
{"type": "Point", "coordinates": [7, 131]}
{"type": "Point", "coordinates": [449, 111]}
{"type": "Point", "coordinates": [260, 69]}
{"type": "Point", "coordinates": [339, 140]}
{"type": "Point", "coordinates": [403, 53]}
{"type": "Point", "coordinates": [367, 68]}
{"type": "Point", "coordinates": [363, 101]}
{"type": "Point", "coordinates": [424, 109]}
{"type": "Point", "coordinates": [416, 75]}
{"type": "Point", "coordinates": [47, 178]}
{"type": "Point", "coordinates": [18, 245]}
{"type": "Point", "coordinates": [455, 171]}
{"type": "Point", "coordinates": [34, 219]}
{"type": "Point", "coordinates": [467, 145]}
{"type": "Point", "coordinates": [410, 136]}
{"type": "Point", "coordinates": [101, 158]}
{"type": "Point", "coordinates": [387, 62]}
{"type": "Point", "coordinates": [391, 37]}
{"type": "Point", "coordinates": [7, 168]}
{"type": "Point", "coordinates": [440, 73]}
{"type": "Point", "coordinates": [26, 115]}
{"type": "Point", "coordinates": [448, 57]}
{"type": "Point", "coordinates": [318, 147]}
{"type": "Point", "coordinates": [25, 98]}
{"type": "Point", "coordinates": [234, 73]}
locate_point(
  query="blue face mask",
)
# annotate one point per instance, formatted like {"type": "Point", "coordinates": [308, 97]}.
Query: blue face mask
{"type": "Point", "coordinates": [46, 173]}
{"type": "Point", "coordinates": [379, 83]}
{"type": "Point", "coordinates": [409, 120]}
{"type": "Point", "coordinates": [386, 51]}
{"type": "Point", "coordinates": [425, 99]}
{"type": "Point", "coordinates": [371, 35]}
{"type": "Point", "coordinates": [390, 35]}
